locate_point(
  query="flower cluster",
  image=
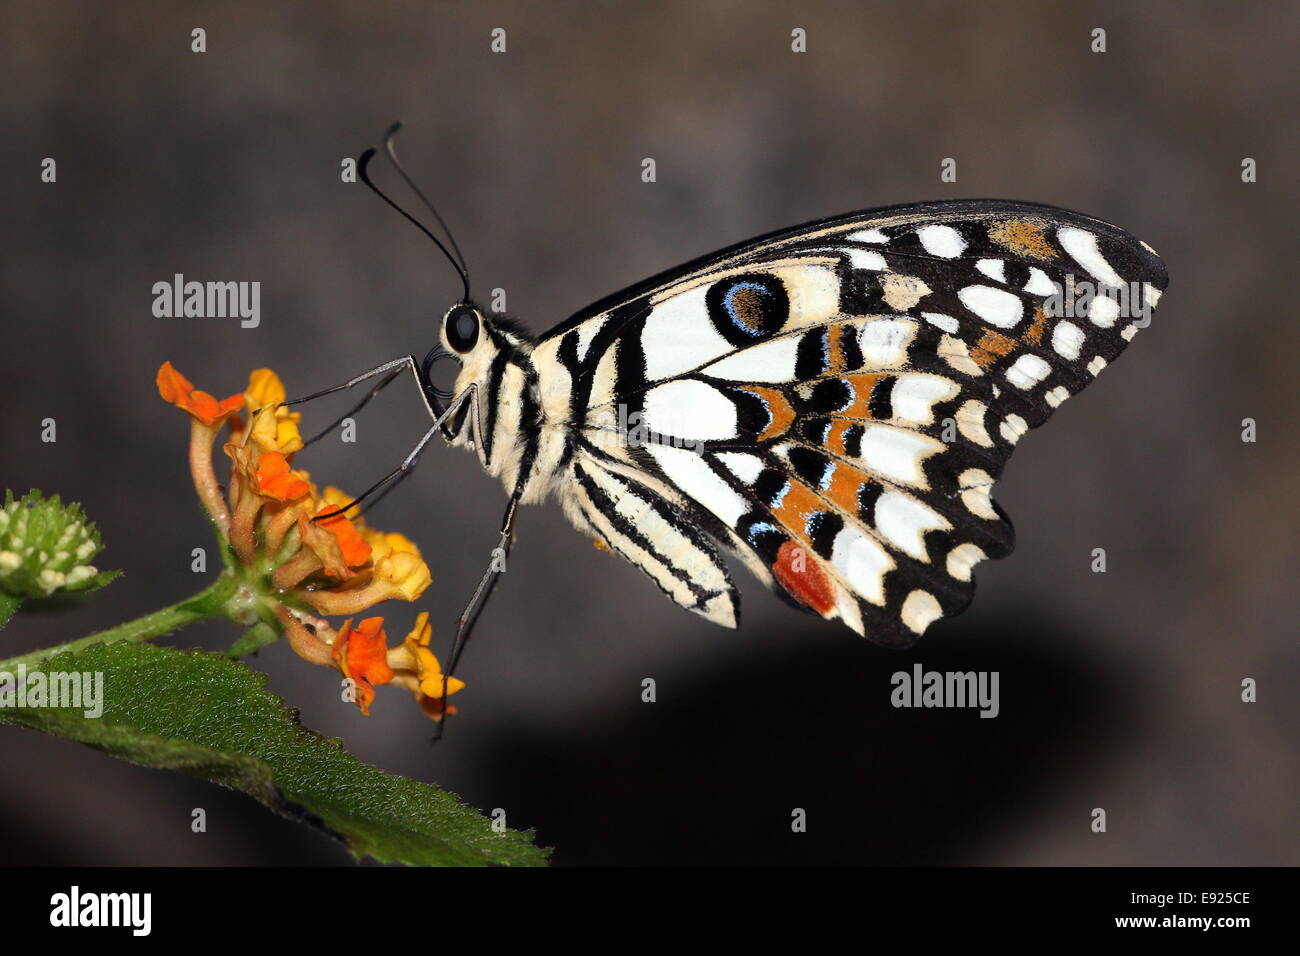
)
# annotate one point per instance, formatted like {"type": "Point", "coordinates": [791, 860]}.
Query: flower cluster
{"type": "Point", "coordinates": [46, 546]}
{"type": "Point", "coordinates": [297, 553]}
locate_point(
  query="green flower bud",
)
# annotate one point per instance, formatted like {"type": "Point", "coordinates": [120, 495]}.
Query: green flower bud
{"type": "Point", "coordinates": [46, 546]}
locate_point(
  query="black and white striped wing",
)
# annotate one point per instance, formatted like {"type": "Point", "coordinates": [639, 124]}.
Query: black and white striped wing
{"type": "Point", "coordinates": [835, 402]}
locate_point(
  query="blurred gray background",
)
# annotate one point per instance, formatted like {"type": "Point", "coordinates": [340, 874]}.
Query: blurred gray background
{"type": "Point", "coordinates": [1118, 690]}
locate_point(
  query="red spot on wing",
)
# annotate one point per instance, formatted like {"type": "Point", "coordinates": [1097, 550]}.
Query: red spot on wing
{"type": "Point", "coordinates": [800, 574]}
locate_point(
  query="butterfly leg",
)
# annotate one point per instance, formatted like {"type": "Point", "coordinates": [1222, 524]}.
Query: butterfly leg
{"type": "Point", "coordinates": [486, 585]}
{"type": "Point", "coordinates": [383, 383]}
{"type": "Point", "coordinates": [401, 471]}
{"type": "Point", "coordinates": [396, 365]}
{"type": "Point", "coordinates": [390, 371]}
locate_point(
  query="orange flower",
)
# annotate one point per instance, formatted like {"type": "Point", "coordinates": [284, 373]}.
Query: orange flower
{"type": "Point", "coordinates": [275, 480]}
{"type": "Point", "coordinates": [362, 655]}
{"type": "Point", "coordinates": [180, 391]}
{"type": "Point", "coordinates": [353, 547]}
{"type": "Point", "coordinates": [435, 708]}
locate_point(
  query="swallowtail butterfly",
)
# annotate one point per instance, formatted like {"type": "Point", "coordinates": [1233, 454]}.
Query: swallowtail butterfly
{"type": "Point", "coordinates": [831, 403]}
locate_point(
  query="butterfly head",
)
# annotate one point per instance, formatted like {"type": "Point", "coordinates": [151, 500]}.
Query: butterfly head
{"type": "Point", "coordinates": [475, 340]}
{"type": "Point", "coordinates": [462, 330]}
{"type": "Point", "coordinates": [462, 336]}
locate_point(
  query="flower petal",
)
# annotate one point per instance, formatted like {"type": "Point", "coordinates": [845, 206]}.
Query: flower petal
{"type": "Point", "coordinates": [434, 708]}
{"type": "Point", "coordinates": [274, 479]}
{"type": "Point", "coordinates": [361, 653]}
{"type": "Point", "coordinates": [386, 542]}
{"type": "Point", "coordinates": [353, 547]}
{"type": "Point", "coordinates": [406, 573]}
{"type": "Point", "coordinates": [275, 428]}
{"type": "Point", "coordinates": [180, 391]}
{"type": "Point", "coordinates": [264, 388]}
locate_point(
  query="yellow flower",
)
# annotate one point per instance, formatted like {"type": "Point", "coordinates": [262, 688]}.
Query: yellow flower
{"type": "Point", "coordinates": [383, 543]}
{"type": "Point", "coordinates": [274, 429]}
{"type": "Point", "coordinates": [416, 669]}
{"type": "Point", "coordinates": [406, 572]}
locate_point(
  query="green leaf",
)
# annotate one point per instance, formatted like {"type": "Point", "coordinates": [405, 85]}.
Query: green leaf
{"type": "Point", "coordinates": [211, 717]}
{"type": "Point", "coordinates": [8, 604]}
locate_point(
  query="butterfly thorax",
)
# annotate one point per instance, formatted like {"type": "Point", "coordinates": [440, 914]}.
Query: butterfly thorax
{"type": "Point", "coordinates": [515, 440]}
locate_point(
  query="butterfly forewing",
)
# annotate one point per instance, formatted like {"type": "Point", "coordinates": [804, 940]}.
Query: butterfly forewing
{"type": "Point", "coordinates": [834, 402]}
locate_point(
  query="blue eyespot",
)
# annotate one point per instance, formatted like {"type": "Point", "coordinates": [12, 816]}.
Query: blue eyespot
{"type": "Point", "coordinates": [748, 308]}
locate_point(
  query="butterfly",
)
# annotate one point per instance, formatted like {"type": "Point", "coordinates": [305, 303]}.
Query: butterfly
{"type": "Point", "coordinates": [830, 403]}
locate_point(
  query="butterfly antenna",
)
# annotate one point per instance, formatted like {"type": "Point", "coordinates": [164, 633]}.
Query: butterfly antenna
{"type": "Point", "coordinates": [397, 164]}
{"type": "Point", "coordinates": [362, 163]}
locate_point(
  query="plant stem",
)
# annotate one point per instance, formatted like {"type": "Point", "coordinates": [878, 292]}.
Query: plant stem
{"type": "Point", "coordinates": [207, 603]}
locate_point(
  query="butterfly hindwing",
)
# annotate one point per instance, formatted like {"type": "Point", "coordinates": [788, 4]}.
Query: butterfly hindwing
{"type": "Point", "coordinates": [632, 519]}
{"type": "Point", "coordinates": [836, 401]}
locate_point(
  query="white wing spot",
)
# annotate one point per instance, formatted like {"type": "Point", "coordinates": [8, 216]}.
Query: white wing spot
{"type": "Point", "coordinates": [962, 558]}
{"type": "Point", "coordinates": [995, 269]}
{"type": "Point", "coordinates": [1038, 283]}
{"type": "Point", "coordinates": [942, 241]}
{"type": "Point", "coordinates": [1103, 311]}
{"type": "Point", "coordinates": [1082, 247]}
{"type": "Point", "coordinates": [867, 235]}
{"type": "Point", "coordinates": [1013, 428]}
{"type": "Point", "coordinates": [1067, 339]}
{"type": "Point", "coordinates": [1096, 365]}
{"type": "Point", "coordinates": [995, 306]}
{"type": "Point", "coordinates": [975, 484]}
{"type": "Point", "coordinates": [920, 610]}
{"type": "Point", "coordinates": [771, 361]}
{"type": "Point", "coordinates": [897, 453]}
{"type": "Point", "coordinates": [862, 562]}
{"type": "Point", "coordinates": [1027, 371]}
{"type": "Point", "coordinates": [945, 322]}
{"type": "Point", "coordinates": [913, 396]}
{"type": "Point", "coordinates": [690, 409]}
{"type": "Point", "coordinates": [1057, 395]}
{"type": "Point", "coordinates": [675, 339]}
{"type": "Point", "coordinates": [904, 521]}
{"type": "Point", "coordinates": [970, 422]}
{"type": "Point", "coordinates": [586, 332]}
{"type": "Point", "coordinates": [866, 259]}
{"type": "Point", "coordinates": [884, 342]}
{"type": "Point", "coordinates": [744, 466]}
{"type": "Point", "coordinates": [689, 472]}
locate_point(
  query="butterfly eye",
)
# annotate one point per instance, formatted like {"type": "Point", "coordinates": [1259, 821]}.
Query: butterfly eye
{"type": "Point", "coordinates": [461, 328]}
